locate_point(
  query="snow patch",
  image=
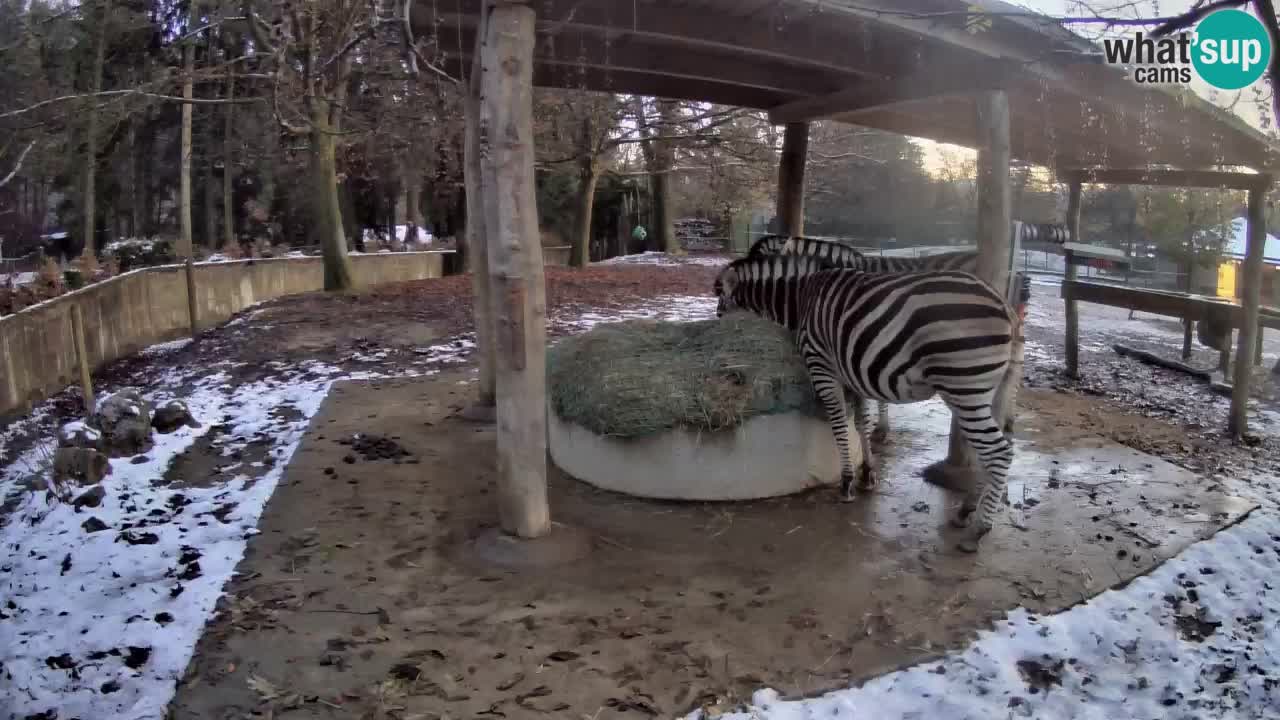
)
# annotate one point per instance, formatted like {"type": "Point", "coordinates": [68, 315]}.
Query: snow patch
{"type": "Point", "coordinates": [1199, 636]}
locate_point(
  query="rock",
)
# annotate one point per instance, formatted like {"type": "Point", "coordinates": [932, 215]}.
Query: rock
{"type": "Point", "coordinates": [91, 498]}
{"type": "Point", "coordinates": [125, 422]}
{"type": "Point", "coordinates": [171, 416]}
{"type": "Point", "coordinates": [80, 435]}
{"type": "Point", "coordinates": [83, 466]}
{"type": "Point", "coordinates": [93, 525]}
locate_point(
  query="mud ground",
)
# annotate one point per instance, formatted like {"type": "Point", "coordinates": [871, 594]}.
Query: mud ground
{"type": "Point", "coordinates": [364, 596]}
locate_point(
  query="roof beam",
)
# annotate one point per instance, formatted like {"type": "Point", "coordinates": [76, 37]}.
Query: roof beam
{"type": "Point", "coordinates": [1168, 178]}
{"type": "Point", "coordinates": [874, 94]}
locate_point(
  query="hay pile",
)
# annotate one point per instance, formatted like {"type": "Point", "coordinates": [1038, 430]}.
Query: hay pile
{"type": "Point", "coordinates": [639, 377]}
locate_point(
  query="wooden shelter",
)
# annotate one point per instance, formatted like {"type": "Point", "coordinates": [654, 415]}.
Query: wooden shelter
{"type": "Point", "coordinates": [977, 73]}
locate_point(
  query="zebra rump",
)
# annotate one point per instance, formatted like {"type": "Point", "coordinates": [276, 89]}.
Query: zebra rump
{"type": "Point", "coordinates": [894, 337]}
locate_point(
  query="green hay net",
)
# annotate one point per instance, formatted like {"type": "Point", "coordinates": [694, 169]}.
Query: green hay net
{"type": "Point", "coordinates": [640, 377]}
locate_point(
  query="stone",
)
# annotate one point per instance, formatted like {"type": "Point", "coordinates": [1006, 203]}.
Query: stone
{"type": "Point", "coordinates": [171, 416]}
{"type": "Point", "coordinates": [91, 498]}
{"type": "Point", "coordinates": [82, 466]}
{"type": "Point", "coordinates": [125, 422]}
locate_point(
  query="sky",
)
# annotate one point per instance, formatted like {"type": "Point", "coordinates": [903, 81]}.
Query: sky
{"type": "Point", "coordinates": [1246, 108]}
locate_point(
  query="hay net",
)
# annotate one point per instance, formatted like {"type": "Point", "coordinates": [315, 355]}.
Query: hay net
{"type": "Point", "coordinates": [639, 377]}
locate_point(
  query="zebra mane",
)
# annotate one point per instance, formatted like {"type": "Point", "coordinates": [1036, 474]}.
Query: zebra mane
{"type": "Point", "coordinates": [768, 268]}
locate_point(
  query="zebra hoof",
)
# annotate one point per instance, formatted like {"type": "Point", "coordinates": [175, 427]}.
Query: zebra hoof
{"type": "Point", "coordinates": [963, 517]}
{"type": "Point", "coordinates": [969, 545]}
{"type": "Point", "coordinates": [868, 479]}
{"type": "Point", "coordinates": [846, 489]}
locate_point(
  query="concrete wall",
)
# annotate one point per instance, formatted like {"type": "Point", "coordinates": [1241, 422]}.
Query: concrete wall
{"type": "Point", "coordinates": [132, 311]}
{"type": "Point", "coordinates": [556, 254]}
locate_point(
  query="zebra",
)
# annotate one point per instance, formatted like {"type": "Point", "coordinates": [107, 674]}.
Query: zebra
{"type": "Point", "coordinates": [893, 337]}
{"type": "Point", "coordinates": [841, 255]}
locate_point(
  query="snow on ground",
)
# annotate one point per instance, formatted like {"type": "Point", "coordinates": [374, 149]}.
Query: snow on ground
{"type": "Point", "coordinates": [424, 237]}
{"type": "Point", "coordinates": [101, 607]}
{"type": "Point", "coordinates": [654, 257]}
{"type": "Point", "coordinates": [1198, 637]}
{"type": "Point", "coordinates": [20, 278]}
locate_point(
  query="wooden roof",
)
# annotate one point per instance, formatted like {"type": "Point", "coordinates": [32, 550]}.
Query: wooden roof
{"type": "Point", "coordinates": [906, 66]}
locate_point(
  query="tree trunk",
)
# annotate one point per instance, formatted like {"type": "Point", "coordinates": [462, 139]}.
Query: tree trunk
{"type": "Point", "coordinates": [474, 245]}
{"type": "Point", "coordinates": [91, 133]}
{"type": "Point", "coordinates": [791, 167]}
{"type": "Point", "coordinates": [515, 268]}
{"type": "Point", "coordinates": [210, 192]}
{"type": "Point", "coordinates": [228, 147]}
{"type": "Point", "coordinates": [588, 176]}
{"type": "Point", "coordinates": [338, 273]}
{"type": "Point", "coordinates": [958, 469]}
{"type": "Point", "coordinates": [185, 238]}
{"type": "Point", "coordinates": [412, 205]}
{"type": "Point", "coordinates": [664, 153]}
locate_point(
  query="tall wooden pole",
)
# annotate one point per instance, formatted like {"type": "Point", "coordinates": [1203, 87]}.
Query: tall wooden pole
{"type": "Point", "coordinates": [1073, 313]}
{"type": "Point", "coordinates": [1237, 422]}
{"type": "Point", "coordinates": [477, 255]}
{"type": "Point", "coordinates": [791, 166]}
{"type": "Point", "coordinates": [994, 222]}
{"type": "Point", "coordinates": [82, 358]}
{"type": "Point", "coordinates": [515, 267]}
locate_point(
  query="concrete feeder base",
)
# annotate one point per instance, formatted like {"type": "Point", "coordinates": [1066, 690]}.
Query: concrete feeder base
{"type": "Point", "coordinates": [766, 456]}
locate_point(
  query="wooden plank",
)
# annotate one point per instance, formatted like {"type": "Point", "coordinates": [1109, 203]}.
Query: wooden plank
{"type": "Point", "coordinates": [515, 268]}
{"type": "Point", "coordinates": [1167, 178]}
{"type": "Point", "coordinates": [1073, 313]}
{"type": "Point", "coordinates": [1160, 302]}
{"type": "Point", "coordinates": [872, 94]}
{"type": "Point", "coordinates": [1238, 421]}
{"type": "Point", "coordinates": [791, 166]}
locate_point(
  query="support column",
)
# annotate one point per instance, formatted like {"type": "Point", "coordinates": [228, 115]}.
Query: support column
{"type": "Point", "coordinates": [1073, 313]}
{"type": "Point", "coordinates": [476, 255]}
{"type": "Point", "coordinates": [995, 219]}
{"type": "Point", "coordinates": [1237, 421]}
{"type": "Point", "coordinates": [515, 267]}
{"type": "Point", "coordinates": [791, 166]}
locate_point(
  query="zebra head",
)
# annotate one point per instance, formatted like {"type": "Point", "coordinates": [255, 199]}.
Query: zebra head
{"type": "Point", "coordinates": [760, 284]}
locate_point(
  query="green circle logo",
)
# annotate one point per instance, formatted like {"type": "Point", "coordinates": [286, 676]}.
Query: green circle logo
{"type": "Point", "coordinates": [1232, 49]}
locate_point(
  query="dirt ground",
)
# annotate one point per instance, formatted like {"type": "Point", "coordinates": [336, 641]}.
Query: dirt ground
{"type": "Point", "coordinates": [364, 596]}
{"type": "Point", "coordinates": [361, 596]}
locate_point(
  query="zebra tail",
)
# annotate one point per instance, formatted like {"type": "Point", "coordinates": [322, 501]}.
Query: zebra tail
{"type": "Point", "coordinates": [1007, 393]}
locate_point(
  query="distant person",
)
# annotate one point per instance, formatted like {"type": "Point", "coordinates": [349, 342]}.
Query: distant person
{"type": "Point", "coordinates": [640, 235]}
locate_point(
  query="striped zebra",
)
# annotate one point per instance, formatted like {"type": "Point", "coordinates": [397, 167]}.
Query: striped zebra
{"type": "Point", "coordinates": [841, 255]}
{"type": "Point", "coordinates": [892, 337]}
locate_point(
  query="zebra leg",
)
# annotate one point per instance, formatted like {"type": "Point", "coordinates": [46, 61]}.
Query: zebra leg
{"type": "Point", "coordinates": [830, 393]}
{"type": "Point", "coordinates": [995, 453]}
{"type": "Point", "coordinates": [881, 431]}
{"type": "Point", "coordinates": [868, 477]}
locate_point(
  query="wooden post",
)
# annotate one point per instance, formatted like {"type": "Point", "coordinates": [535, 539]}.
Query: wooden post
{"type": "Point", "coordinates": [1073, 313]}
{"type": "Point", "coordinates": [515, 267]}
{"type": "Point", "coordinates": [192, 313]}
{"type": "Point", "coordinates": [1237, 422]}
{"type": "Point", "coordinates": [994, 221]}
{"type": "Point", "coordinates": [791, 166]}
{"type": "Point", "coordinates": [82, 357]}
{"type": "Point", "coordinates": [477, 255]}
{"type": "Point", "coordinates": [1257, 347]}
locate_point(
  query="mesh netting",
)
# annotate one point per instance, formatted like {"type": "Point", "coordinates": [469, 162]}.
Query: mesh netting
{"type": "Point", "coordinates": [639, 377]}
